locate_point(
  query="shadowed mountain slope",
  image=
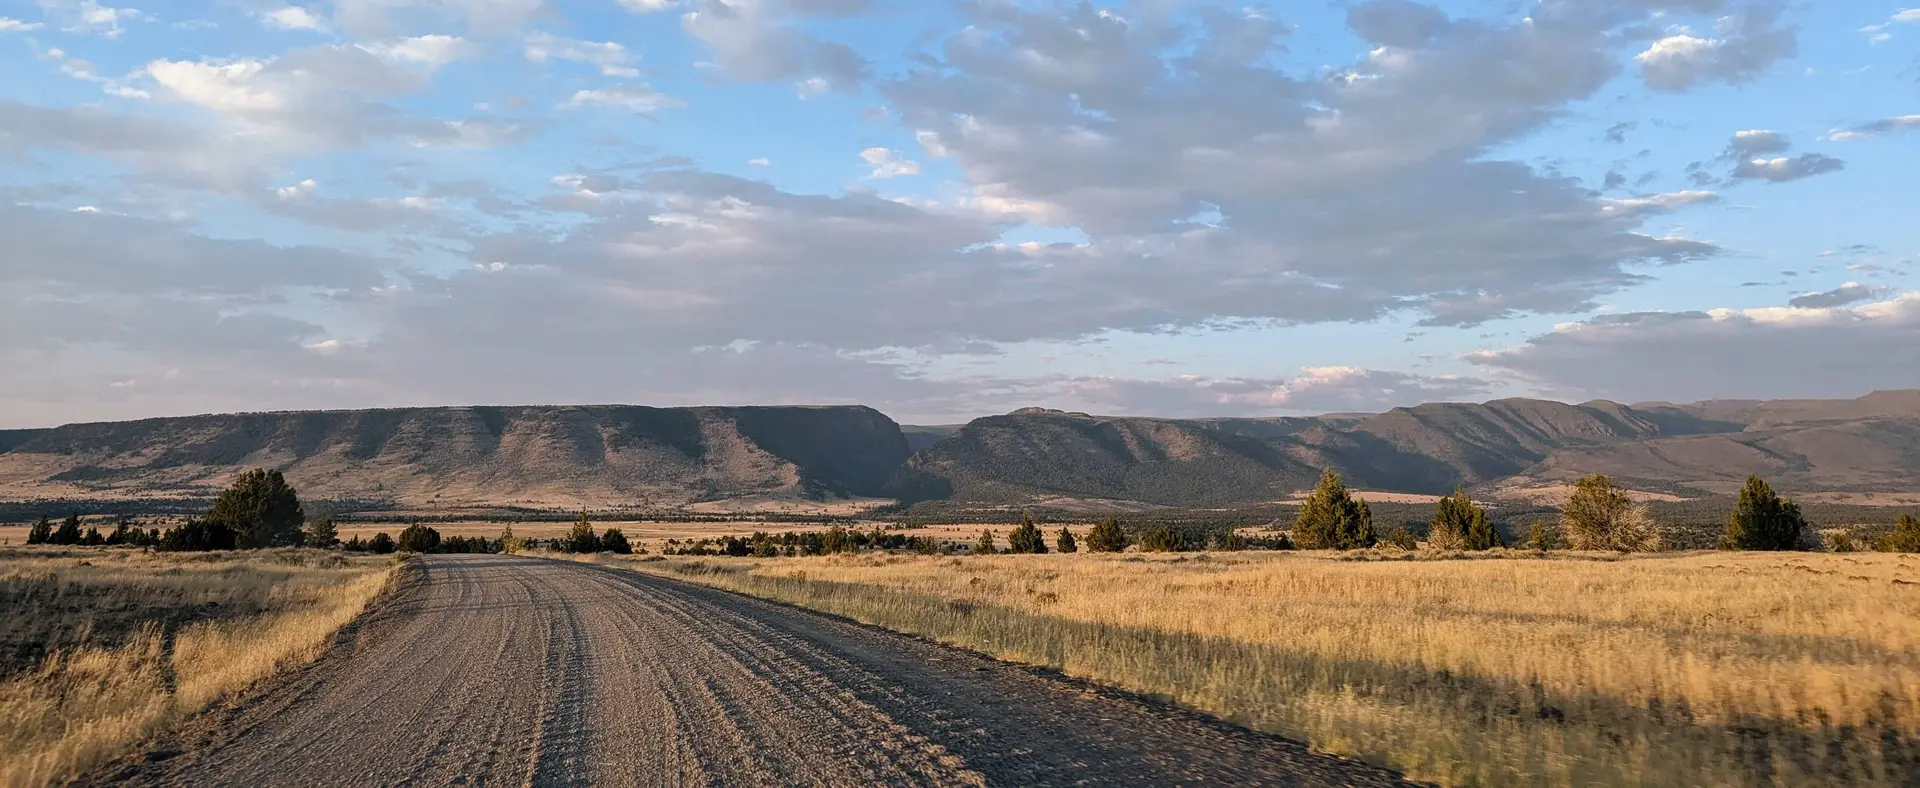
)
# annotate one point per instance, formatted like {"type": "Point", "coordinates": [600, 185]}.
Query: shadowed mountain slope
{"type": "Point", "coordinates": [537, 456]}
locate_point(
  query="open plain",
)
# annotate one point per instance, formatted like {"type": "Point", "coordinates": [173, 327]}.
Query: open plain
{"type": "Point", "coordinates": [503, 669]}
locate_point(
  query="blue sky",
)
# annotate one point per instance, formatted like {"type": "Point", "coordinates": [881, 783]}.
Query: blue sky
{"type": "Point", "coordinates": [948, 209]}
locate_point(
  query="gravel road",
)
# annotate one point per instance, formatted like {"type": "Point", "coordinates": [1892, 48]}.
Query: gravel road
{"type": "Point", "coordinates": [499, 670]}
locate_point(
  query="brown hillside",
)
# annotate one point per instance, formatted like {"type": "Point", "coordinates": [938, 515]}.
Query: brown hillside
{"type": "Point", "coordinates": [537, 456]}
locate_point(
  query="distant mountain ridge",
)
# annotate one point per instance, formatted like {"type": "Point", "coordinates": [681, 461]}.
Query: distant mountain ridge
{"type": "Point", "coordinates": [620, 455]}
{"type": "Point", "coordinates": [536, 456]}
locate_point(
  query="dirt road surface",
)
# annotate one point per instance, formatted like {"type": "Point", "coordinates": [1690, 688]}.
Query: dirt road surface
{"type": "Point", "coordinates": [499, 670]}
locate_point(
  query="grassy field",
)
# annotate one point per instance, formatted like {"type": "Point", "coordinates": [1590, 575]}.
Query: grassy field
{"type": "Point", "coordinates": [101, 648]}
{"type": "Point", "coordinates": [1689, 669]}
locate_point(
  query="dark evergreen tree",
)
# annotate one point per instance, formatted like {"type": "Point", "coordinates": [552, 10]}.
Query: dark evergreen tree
{"type": "Point", "coordinates": [93, 537]}
{"type": "Point", "coordinates": [381, 544]}
{"type": "Point", "coordinates": [124, 532]}
{"type": "Point", "coordinates": [985, 545]}
{"type": "Point", "coordinates": [1401, 538]}
{"type": "Point", "coordinates": [1459, 525]}
{"type": "Point", "coordinates": [197, 536]}
{"type": "Point", "coordinates": [41, 532]}
{"type": "Point", "coordinates": [417, 538]}
{"type": "Point", "coordinates": [1026, 537]}
{"type": "Point", "coordinates": [261, 509]}
{"type": "Point", "coordinates": [1107, 537]}
{"type": "Point", "coordinates": [1163, 539]}
{"type": "Point", "coordinates": [581, 538]}
{"type": "Point", "coordinates": [1064, 541]}
{"type": "Point", "coordinates": [613, 541]}
{"type": "Point", "coordinates": [1332, 519]}
{"type": "Point", "coordinates": [322, 533]}
{"type": "Point", "coordinates": [1763, 520]}
{"type": "Point", "coordinates": [1539, 537]}
{"type": "Point", "coordinates": [68, 532]}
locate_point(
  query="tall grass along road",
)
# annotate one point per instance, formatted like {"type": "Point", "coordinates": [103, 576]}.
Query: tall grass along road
{"type": "Point", "coordinates": [504, 670]}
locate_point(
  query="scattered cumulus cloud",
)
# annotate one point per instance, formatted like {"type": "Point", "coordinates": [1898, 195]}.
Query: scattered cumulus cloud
{"type": "Point", "coordinates": [1849, 293]}
{"type": "Point", "coordinates": [887, 163]}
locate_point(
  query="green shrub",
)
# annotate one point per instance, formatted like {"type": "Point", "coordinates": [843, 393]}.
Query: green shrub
{"type": "Point", "coordinates": [41, 532]}
{"type": "Point", "coordinates": [1599, 516]}
{"type": "Point", "coordinates": [1064, 541]}
{"type": "Point", "coordinates": [1401, 538]}
{"type": "Point", "coordinates": [322, 533]}
{"type": "Point", "coordinates": [1026, 537]}
{"type": "Point", "coordinates": [613, 541]}
{"type": "Point", "coordinates": [580, 538]}
{"type": "Point", "coordinates": [1459, 525]}
{"type": "Point", "coordinates": [1162, 539]}
{"type": "Point", "coordinates": [984, 546]}
{"type": "Point", "coordinates": [1332, 519]}
{"type": "Point", "coordinates": [261, 509]}
{"type": "Point", "coordinates": [381, 544]}
{"type": "Point", "coordinates": [1107, 537]}
{"type": "Point", "coordinates": [417, 538]}
{"type": "Point", "coordinates": [1763, 520]}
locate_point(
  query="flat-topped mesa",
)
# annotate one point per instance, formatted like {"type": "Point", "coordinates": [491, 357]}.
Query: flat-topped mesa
{"type": "Point", "coordinates": [542, 456]}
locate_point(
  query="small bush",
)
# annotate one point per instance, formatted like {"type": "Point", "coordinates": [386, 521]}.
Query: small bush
{"type": "Point", "coordinates": [1064, 541]}
{"type": "Point", "coordinates": [1026, 537]}
{"type": "Point", "coordinates": [1763, 520]}
{"type": "Point", "coordinates": [1332, 519]}
{"type": "Point", "coordinates": [581, 538]}
{"type": "Point", "coordinates": [1107, 537]}
{"type": "Point", "coordinates": [1540, 537]}
{"type": "Point", "coordinates": [1840, 542]}
{"type": "Point", "coordinates": [381, 544]}
{"type": "Point", "coordinates": [197, 536]}
{"type": "Point", "coordinates": [984, 546]}
{"type": "Point", "coordinates": [1401, 538]}
{"type": "Point", "coordinates": [1599, 516]}
{"type": "Point", "coordinates": [417, 538]}
{"type": "Point", "coordinates": [1162, 539]}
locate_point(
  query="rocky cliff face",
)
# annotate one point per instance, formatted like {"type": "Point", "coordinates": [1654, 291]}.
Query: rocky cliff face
{"type": "Point", "coordinates": [532, 456]}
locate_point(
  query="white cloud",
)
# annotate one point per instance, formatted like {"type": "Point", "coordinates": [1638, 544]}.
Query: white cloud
{"type": "Point", "coordinates": [1878, 33]}
{"type": "Point", "coordinates": [760, 162]}
{"type": "Point", "coordinates": [887, 163]}
{"type": "Point", "coordinates": [760, 41]}
{"type": "Point", "coordinates": [432, 51]}
{"type": "Point", "coordinates": [293, 17]}
{"type": "Point", "coordinates": [611, 58]}
{"type": "Point", "coordinates": [648, 6]}
{"type": "Point", "coordinates": [1780, 169]}
{"type": "Point", "coordinates": [11, 25]}
{"type": "Point", "coordinates": [1318, 389]}
{"type": "Point", "coordinates": [1686, 356]}
{"type": "Point", "coordinates": [89, 16]}
{"type": "Point", "coordinates": [1876, 128]}
{"type": "Point", "coordinates": [641, 98]}
{"type": "Point", "coordinates": [1848, 293]}
{"type": "Point", "coordinates": [1747, 46]}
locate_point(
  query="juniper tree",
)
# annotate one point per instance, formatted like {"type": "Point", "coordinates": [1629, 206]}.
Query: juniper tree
{"type": "Point", "coordinates": [41, 532]}
{"type": "Point", "coordinates": [985, 544]}
{"type": "Point", "coordinates": [1459, 525]}
{"type": "Point", "coordinates": [322, 533]}
{"type": "Point", "coordinates": [1401, 538]}
{"type": "Point", "coordinates": [1538, 537]}
{"type": "Point", "coordinates": [1026, 537]}
{"type": "Point", "coordinates": [1763, 520]}
{"type": "Point", "coordinates": [381, 544]}
{"type": "Point", "coordinates": [509, 543]}
{"type": "Point", "coordinates": [1162, 539]}
{"type": "Point", "coordinates": [1600, 516]}
{"type": "Point", "coordinates": [581, 539]}
{"type": "Point", "coordinates": [1107, 537]}
{"type": "Point", "coordinates": [1064, 541]}
{"type": "Point", "coordinates": [261, 509]}
{"type": "Point", "coordinates": [68, 532]}
{"type": "Point", "coordinates": [1332, 519]}
{"type": "Point", "coordinates": [417, 538]}
{"type": "Point", "coordinates": [613, 541]}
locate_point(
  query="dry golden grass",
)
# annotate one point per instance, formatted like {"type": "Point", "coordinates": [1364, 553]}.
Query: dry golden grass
{"type": "Point", "coordinates": [144, 639]}
{"type": "Point", "coordinates": [1700, 669]}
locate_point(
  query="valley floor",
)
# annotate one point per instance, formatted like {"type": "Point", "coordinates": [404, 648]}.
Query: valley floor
{"type": "Point", "coordinates": [1703, 668]}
